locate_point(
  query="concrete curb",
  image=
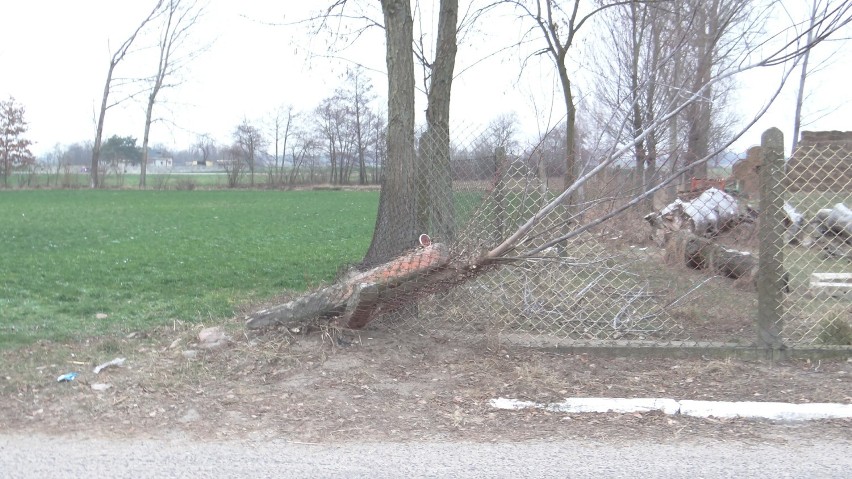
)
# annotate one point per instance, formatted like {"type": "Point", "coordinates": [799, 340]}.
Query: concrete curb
{"type": "Point", "coordinates": [720, 409]}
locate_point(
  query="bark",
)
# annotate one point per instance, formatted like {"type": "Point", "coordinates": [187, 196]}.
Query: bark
{"type": "Point", "coordinates": [395, 229]}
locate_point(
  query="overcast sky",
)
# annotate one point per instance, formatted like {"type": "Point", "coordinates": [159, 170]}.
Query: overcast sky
{"type": "Point", "coordinates": [54, 56]}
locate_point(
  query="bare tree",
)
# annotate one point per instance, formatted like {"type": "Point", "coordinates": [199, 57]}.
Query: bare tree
{"type": "Point", "coordinates": [249, 141]}
{"type": "Point", "coordinates": [361, 95]}
{"type": "Point", "coordinates": [179, 18]}
{"type": "Point", "coordinates": [768, 52]}
{"type": "Point", "coordinates": [206, 148]}
{"type": "Point", "coordinates": [281, 126]}
{"type": "Point", "coordinates": [396, 227]}
{"type": "Point", "coordinates": [558, 25]}
{"type": "Point", "coordinates": [303, 149]}
{"type": "Point", "coordinates": [234, 163]}
{"type": "Point", "coordinates": [398, 220]}
{"type": "Point", "coordinates": [331, 118]}
{"type": "Point", "coordinates": [818, 10]}
{"type": "Point", "coordinates": [116, 58]}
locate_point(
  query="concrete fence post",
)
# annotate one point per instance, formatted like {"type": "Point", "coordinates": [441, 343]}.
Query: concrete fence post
{"type": "Point", "coordinates": [770, 276]}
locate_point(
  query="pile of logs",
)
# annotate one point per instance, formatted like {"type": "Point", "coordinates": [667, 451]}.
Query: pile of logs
{"type": "Point", "coordinates": [685, 229]}
{"type": "Point", "coordinates": [834, 222]}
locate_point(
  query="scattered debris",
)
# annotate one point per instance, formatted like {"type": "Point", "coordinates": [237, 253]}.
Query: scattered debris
{"type": "Point", "coordinates": [67, 377]}
{"type": "Point", "coordinates": [117, 362]}
{"type": "Point", "coordinates": [175, 343]}
{"type": "Point", "coordinates": [212, 338]}
{"type": "Point", "coordinates": [100, 386]}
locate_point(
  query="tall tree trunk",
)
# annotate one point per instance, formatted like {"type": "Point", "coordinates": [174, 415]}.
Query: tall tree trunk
{"type": "Point", "coordinates": [144, 163]}
{"type": "Point", "coordinates": [395, 229]}
{"type": "Point", "coordinates": [94, 181]}
{"type": "Point", "coordinates": [797, 120]}
{"type": "Point", "coordinates": [637, 117]}
{"type": "Point", "coordinates": [436, 209]}
{"type": "Point", "coordinates": [698, 139]}
{"type": "Point", "coordinates": [117, 57]}
{"type": "Point", "coordinates": [359, 135]}
{"type": "Point", "coordinates": [570, 130]}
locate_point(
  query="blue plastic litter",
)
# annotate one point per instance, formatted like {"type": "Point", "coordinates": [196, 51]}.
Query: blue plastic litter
{"type": "Point", "coordinates": [66, 377]}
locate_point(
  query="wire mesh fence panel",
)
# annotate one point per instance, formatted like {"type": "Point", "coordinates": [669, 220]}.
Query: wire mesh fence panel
{"type": "Point", "coordinates": [543, 268]}
{"type": "Point", "coordinates": [817, 244]}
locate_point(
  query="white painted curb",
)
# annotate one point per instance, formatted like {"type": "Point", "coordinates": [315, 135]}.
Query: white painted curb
{"type": "Point", "coordinates": [720, 409]}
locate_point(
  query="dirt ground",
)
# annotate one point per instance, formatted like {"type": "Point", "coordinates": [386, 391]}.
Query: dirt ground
{"type": "Point", "coordinates": [379, 386]}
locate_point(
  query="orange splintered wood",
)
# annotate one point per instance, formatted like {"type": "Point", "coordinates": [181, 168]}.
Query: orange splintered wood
{"type": "Point", "coordinates": [405, 267]}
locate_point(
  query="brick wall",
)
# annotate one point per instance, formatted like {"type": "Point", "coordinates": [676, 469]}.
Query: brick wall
{"type": "Point", "coordinates": [822, 162]}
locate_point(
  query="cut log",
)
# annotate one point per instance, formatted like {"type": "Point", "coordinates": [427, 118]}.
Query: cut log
{"type": "Point", "coordinates": [701, 253]}
{"type": "Point", "coordinates": [356, 299]}
{"type": "Point", "coordinates": [708, 214]}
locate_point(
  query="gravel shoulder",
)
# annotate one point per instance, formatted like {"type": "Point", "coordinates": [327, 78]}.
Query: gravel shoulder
{"type": "Point", "coordinates": [41, 456]}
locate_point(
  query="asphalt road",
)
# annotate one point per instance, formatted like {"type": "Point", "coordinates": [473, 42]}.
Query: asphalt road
{"type": "Point", "coordinates": [58, 457]}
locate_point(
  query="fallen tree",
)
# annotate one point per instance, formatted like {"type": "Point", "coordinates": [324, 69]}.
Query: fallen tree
{"type": "Point", "coordinates": [355, 300]}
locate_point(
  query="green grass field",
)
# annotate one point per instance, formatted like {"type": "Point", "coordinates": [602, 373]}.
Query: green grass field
{"type": "Point", "coordinates": [147, 258]}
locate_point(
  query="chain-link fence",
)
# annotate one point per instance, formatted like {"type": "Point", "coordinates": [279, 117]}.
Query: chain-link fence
{"type": "Point", "coordinates": [757, 255]}
{"type": "Point", "coordinates": [813, 253]}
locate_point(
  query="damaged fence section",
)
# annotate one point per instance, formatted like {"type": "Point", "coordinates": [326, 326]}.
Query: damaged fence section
{"type": "Point", "coordinates": [501, 247]}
